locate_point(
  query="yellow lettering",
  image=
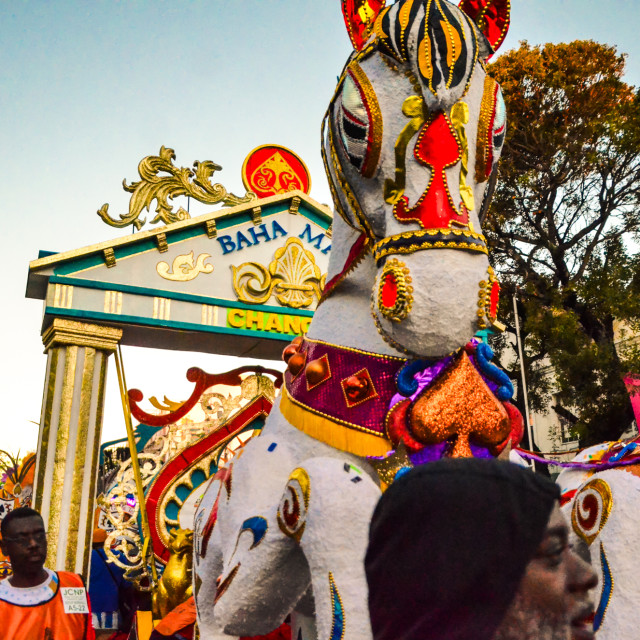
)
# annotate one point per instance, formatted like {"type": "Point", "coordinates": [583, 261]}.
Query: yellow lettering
{"type": "Point", "coordinates": [292, 324]}
{"type": "Point", "coordinates": [273, 323]}
{"type": "Point", "coordinates": [305, 324]}
{"type": "Point", "coordinates": [235, 318]}
{"type": "Point", "coordinates": [254, 318]}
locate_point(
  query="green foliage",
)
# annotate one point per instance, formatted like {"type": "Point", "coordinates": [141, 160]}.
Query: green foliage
{"type": "Point", "coordinates": [564, 225]}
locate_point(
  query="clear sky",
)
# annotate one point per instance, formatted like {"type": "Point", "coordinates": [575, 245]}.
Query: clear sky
{"type": "Point", "coordinates": [87, 89]}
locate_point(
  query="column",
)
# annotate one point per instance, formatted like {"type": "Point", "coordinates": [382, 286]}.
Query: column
{"type": "Point", "coordinates": [69, 438]}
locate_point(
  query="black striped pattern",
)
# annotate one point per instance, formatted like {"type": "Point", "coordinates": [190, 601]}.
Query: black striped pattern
{"type": "Point", "coordinates": [436, 39]}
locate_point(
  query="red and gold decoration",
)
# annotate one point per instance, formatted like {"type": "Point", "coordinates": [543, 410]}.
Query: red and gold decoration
{"type": "Point", "coordinates": [271, 169]}
{"type": "Point", "coordinates": [358, 388]}
{"type": "Point", "coordinates": [395, 293]}
{"type": "Point", "coordinates": [202, 381]}
{"type": "Point", "coordinates": [491, 129]}
{"type": "Point", "coordinates": [591, 509]}
{"type": "Point", "coordinates": [358, 251]}
{"type": "Point", "coordinates": [295, 357]}
{"type": "Point", "coordinates": [488, 298]}
{"type": "Point", "coordinates": [360, 16]}
{"type": "Point", "coordinates": [317, 371]}
{"type": "Point", "coordinates": [195, 458]}
{"type": "Point", "coordinates": [492, 18]}
{"type": "Point", "coordinates": [178, 460]}
{"type": "Point", "coordinates": [437, 148]}
{"type": "Point", "coordinates": [292, 510]}
{"type": "Point", "coordinates": [350, 399]}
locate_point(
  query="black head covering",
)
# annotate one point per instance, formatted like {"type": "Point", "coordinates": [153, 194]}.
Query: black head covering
{"type": "Point", "coordinates": [448, 546]}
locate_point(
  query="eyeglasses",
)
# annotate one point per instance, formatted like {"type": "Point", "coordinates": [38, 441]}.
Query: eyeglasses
{"type": "Point", "coordinates": [25, 538]}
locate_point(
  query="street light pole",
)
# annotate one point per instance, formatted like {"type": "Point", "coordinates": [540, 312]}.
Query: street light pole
{"type": "Point", "coordinates": [522, 375]}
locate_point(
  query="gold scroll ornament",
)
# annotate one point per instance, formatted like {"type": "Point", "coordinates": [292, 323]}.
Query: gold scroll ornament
{"type": "Point", "coordinates": [460, 118]}
{"type": "Point", "coordinates": [180, 181]}
{"type": "Point", "coordinates": [184, 268]}
{"type": "Point", "coordinates": [293, 277]}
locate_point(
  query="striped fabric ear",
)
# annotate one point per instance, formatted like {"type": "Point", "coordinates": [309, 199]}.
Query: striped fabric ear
{"type": "Point", "coordinates": [492, 18]}
{"type": "Point", "coordinates": [359, 17]}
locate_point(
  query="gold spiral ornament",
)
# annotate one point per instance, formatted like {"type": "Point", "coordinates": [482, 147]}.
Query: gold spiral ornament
{"type": "Point", "coordinates": [292, 510]}
{"type": "Point", "coordinates": [591, 509]}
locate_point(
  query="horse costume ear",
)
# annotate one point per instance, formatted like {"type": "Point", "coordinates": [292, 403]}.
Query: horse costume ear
{"type": "Point", "coordinates": [492, 18]}
{"type": "Point", "coordinates": [360, 16]}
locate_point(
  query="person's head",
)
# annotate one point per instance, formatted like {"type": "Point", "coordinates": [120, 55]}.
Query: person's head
{"type": "Point", "coordinates": [98, 538]}
{"type": "Point", "coordinates": [472, 548]}
{"type": "Point", "coordinates": [24, 541]}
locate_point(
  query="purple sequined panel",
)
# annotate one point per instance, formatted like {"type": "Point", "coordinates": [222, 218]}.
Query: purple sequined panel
{"type": "Point", "coordinates": [424, 379]}
{"type": "Point", "coordinates": [434, 452]}
{"type": "Point", "coordinates": [328, 397]}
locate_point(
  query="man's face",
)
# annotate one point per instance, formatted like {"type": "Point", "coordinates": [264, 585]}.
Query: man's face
{"type": "Point", "coordinates": [552, 602]}
{"type": "Point", "coordinates": [25, 543]}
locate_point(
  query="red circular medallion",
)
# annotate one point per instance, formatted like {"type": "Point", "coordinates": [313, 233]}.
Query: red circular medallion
{"type": "Point", "coordinates": [271, 170]}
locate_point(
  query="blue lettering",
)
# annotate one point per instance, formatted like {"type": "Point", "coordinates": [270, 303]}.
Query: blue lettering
{"type": "Point", "coordinates": [262, 233]}
{"type": "Point", "coordinates": [240, 238]}
{"type": "Point", "coordinates": [227, 244]}
{"type": "Point", "coordinates": [277, 230]}
{"type": "Point", "coordinates": [325, 251]}
{"type": "Point", "coordinates": [316, 242]}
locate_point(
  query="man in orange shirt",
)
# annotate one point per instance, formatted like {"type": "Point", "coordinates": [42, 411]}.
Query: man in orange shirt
{"type": "Point", "coordinates": [37, 603]}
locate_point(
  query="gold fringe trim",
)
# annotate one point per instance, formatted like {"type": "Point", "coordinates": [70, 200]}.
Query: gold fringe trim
{"type": "Point", "coordinates": [332, 433]}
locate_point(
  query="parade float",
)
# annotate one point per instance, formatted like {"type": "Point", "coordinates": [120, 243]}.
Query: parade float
{"type": "Point", "coordinates": [389, 374]}
{"type": "Point", "coordinates": [180, 446]}
{"type": "Point", "coordinates": [392, 372]}
{"type": "Point", "coordinates": [241, 280]}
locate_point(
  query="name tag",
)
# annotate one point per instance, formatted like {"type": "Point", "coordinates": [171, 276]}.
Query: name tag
{"type": "Point", "coordinates": [74, 600]}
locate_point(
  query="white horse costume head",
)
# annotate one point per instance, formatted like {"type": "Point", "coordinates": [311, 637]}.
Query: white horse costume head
{"type": "Point", "coordinates": [411, 141]}
{"type": "Point", "coordinates": [412, 138]}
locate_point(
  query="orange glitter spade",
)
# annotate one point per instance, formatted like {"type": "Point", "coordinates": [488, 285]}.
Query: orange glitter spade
{"type": "Point", "coordinates": [459, 405]}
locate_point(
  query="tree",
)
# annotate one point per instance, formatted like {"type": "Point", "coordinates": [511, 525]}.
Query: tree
{"type": "Point", "coordinates": [563, 229]}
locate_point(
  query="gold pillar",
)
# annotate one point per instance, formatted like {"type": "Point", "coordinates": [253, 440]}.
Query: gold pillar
{"type": "Point", "coordinates": [69, 438]}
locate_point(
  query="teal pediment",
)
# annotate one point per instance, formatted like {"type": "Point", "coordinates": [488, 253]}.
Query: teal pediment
{"type": "Point", "coordinates": [255, 271]}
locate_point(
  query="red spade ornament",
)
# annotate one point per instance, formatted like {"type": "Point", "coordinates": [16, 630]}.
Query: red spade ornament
{"type": "Point", "coordinates": [437, 147]}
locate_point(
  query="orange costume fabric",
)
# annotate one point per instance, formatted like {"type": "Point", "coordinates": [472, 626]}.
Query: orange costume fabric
{"type": "Point", "coordinates": [45, 618]}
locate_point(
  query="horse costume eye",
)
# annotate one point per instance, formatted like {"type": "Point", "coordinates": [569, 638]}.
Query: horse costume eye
{"type": "Point", "coordinates": [359, 121]}
{"type": "Point", "coordinates": [492, 125]}
{"type": "Point", "coordinates": [499, 124]}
